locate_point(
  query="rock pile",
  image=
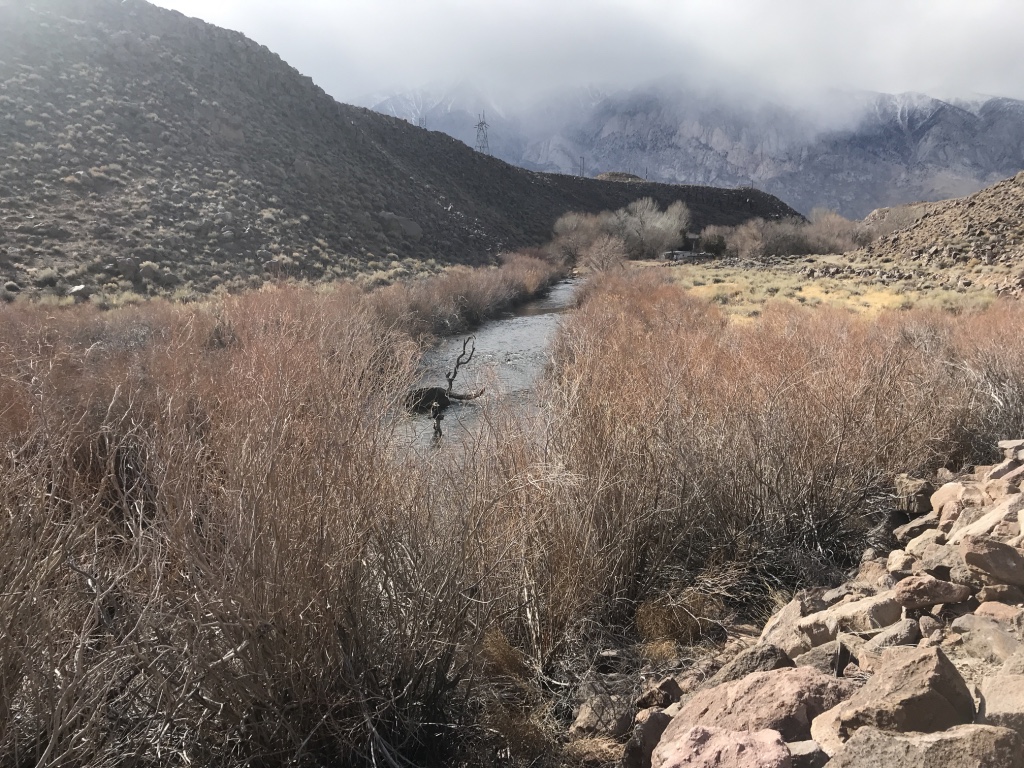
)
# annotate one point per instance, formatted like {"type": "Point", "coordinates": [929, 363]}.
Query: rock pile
{"type": "Point", "coordinates": [918, 660]}
{"type": "Point", "coordinates": [957, 243]}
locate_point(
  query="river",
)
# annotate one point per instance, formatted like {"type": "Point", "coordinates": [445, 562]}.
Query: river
{"type": "Point", "coordinates": [511, 355]}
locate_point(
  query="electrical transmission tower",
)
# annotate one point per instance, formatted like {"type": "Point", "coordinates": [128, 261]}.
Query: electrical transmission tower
{"type": "Point", "coordinates": [481, 135]}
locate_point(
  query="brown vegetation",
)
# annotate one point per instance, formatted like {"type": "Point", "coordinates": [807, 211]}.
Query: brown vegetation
{"type": "Point", "coordinates": [215, 549]}
{"type": "Point", "coordinates": [825, 232]}
{"type": "Point", "coordinates": [641, 230]}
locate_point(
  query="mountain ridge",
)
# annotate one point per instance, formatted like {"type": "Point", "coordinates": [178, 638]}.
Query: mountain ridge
{"type": "Point", "coordinates": [144, 150]}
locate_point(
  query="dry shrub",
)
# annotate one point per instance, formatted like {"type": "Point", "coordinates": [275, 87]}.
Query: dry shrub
{"type": "Point", "coordinates": [683, 619]}
{"type": "Point", "coordinates": [770, 445]}
{"type": "Point", "coordinates": [825, 232]}
{"type": "Point", "coordinates": [501, 659]}
{"type": "Point", "coordinates": [216, 550]}
{"type": "Point", "coordinates": [211, 553]}
{"type": "Point", "coordinates": [461, 298]}
{"type": "Point", "coordinates": [659, 653]}
{"type": "Point", "coordinates": [606, 252]}
{"type": "Point", "coordinates": [641, 230]}
{"type": "Point", "coordinates": [592, 753]}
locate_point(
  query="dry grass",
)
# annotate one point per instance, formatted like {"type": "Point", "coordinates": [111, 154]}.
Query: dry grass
{"type": "Point", "coordinates": [743, 290]}
{"type": "Point", "coordinates": [215, 549]}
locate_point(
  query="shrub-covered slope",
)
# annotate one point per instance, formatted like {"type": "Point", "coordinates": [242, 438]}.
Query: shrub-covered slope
{"type": "Point", "coordinates": [196, 156]}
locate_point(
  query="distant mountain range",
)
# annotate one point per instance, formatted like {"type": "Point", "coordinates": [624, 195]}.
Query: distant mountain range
{"type": "Point", "coordinates": [853, 152]}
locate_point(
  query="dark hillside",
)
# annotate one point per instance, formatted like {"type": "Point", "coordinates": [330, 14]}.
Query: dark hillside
{"type": "Point", "coordinates": [143, 149]}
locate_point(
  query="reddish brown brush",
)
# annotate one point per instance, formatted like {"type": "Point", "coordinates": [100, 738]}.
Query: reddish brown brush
{"type": "Point", "coordinates": [214, 548]}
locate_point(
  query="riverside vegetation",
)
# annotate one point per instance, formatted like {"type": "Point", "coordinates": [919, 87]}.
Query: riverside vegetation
{"type": "Point", "coordinates": [216, 550]}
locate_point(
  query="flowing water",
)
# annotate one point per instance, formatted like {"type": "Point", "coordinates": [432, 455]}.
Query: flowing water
{"type": "Point", "coordinates": [511, 355]}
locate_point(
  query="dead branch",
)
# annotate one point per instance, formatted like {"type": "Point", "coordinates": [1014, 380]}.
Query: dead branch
{"type": "Point", "coordinates": [459, 362]}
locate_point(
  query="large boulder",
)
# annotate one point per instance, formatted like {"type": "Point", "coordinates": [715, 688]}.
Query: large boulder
{"type": "Point", "coordinates": [662, 693]}
{"type": "Point", "coordinates": [913, 494]}
{"type": "Point", "coordinates": [1014, 665]}
{"type": "Point", "coordinates": [1004, 469]}
{"type": "Point", "coordinates": [782, 631]}
{"type": "Point", "coordinates": [603, 714]}
{"type": "Point", "coordinates": [807, 754]}
{"type": "Point", "coordinates": [865, 615]}
{"type": "Point", "coordinates": [650, 724]}
{"type": "Point", "coordinates": [710, 747]}
{"type": "Point", "coordinates": [903, 632]}
{"type": "Point", "coordinates": [913, 689]}
{"type": "Point", "coordinates": [1001, 593]}
{"type": "Point", "coordinates": [916, 527]}
{"type": "Point", "coordinates": [947, 493]}
{"type": "Point", "coordinates": [1010, 616]}
{"type": "Point", "coordinates": [784, 700]}
{"type": "Point", "coordinates": [921, 545]}
{"type": "Point", "coordinates": [924, 591]}
{"type": "Point", "coordinates": [1002, 702]}
{"type": "Point", "coordinates": [985, 638]}
{"type": "Point", "coordinates": [830, 659]}
{"type": "Point", "coordinates": [1001, 561]}
{"type": "Point", "coordinates": [1012, 449]}
{"type": "Point", "coordinates": [995, 521]}
{"type": "Point", "coordinates": [963, 746]}
{"type": "Point", "coordinates": [900, 563]}
{"type": "Point", "coordinates": [762, 657]}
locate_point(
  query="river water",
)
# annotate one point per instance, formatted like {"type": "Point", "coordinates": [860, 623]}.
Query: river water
{"type": "Point", "coordinates": [511, 355]}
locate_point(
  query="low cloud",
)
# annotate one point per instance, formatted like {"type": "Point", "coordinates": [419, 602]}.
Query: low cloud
{"type": "Point", "coordinates": [787, 48]}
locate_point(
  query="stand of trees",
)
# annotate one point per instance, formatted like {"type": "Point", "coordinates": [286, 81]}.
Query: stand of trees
{"type": "Point", "coordinates": [641, 230]}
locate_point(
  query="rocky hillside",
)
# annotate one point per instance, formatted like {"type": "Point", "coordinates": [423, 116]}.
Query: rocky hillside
{"type": "Point", "coordinates": [143, 150]}
{"type": "Point", "coordinates": [975, 239]}
{"type": "Point", "coordinates": [855, 153]}
{"type": "Point", "coordinates": [917, 661]}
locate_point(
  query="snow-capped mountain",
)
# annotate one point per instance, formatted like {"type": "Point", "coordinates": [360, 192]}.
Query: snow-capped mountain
{"type": "Point", "coordinates": [853, 151]}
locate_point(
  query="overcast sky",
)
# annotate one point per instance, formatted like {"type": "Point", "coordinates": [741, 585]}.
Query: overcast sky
{"type": "Point", "coordinates": [353, 48]}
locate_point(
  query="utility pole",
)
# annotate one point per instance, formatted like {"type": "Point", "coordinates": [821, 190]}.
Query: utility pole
{"type": "Point", "coordinates": [482, 146]}
{"type": "Point", "coordinates": [583, 166]}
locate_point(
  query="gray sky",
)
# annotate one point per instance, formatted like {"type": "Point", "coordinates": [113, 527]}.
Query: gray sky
{"type": "Point", "coordinates": [355, 47]}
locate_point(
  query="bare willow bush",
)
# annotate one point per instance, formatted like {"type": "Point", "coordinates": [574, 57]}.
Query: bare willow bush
{"type": "Point", "coordinates": [774, 444]}
{"type": "Point", "coordinates": [461, 297]}
{"type": "Point", "coordinates": [642, 228]}
{"type": "Point", "coordinates": [216, 547]}
{"type": "Point", "coordinates": [825, 232]}
{"type": "Point", "coordinates": [210, 554]}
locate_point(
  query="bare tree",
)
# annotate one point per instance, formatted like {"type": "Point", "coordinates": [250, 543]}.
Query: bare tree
{"type": "Point", "coordinates": [461, 360]}
{"type": "Point", "coordinates": [433, 400]}
{"type": "Point", "coordinates": [607, 252]}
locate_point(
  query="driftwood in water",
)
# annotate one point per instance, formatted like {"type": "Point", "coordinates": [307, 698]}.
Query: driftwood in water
{"type": "Point", "coordinates": [424, 399]}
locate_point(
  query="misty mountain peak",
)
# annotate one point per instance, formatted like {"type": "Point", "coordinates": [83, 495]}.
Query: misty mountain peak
{"type": "Point", "coordinates": [852, 151]}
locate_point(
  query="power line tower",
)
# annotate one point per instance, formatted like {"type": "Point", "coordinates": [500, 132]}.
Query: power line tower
{"type": "Point", "coordinates": [481, 135]}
